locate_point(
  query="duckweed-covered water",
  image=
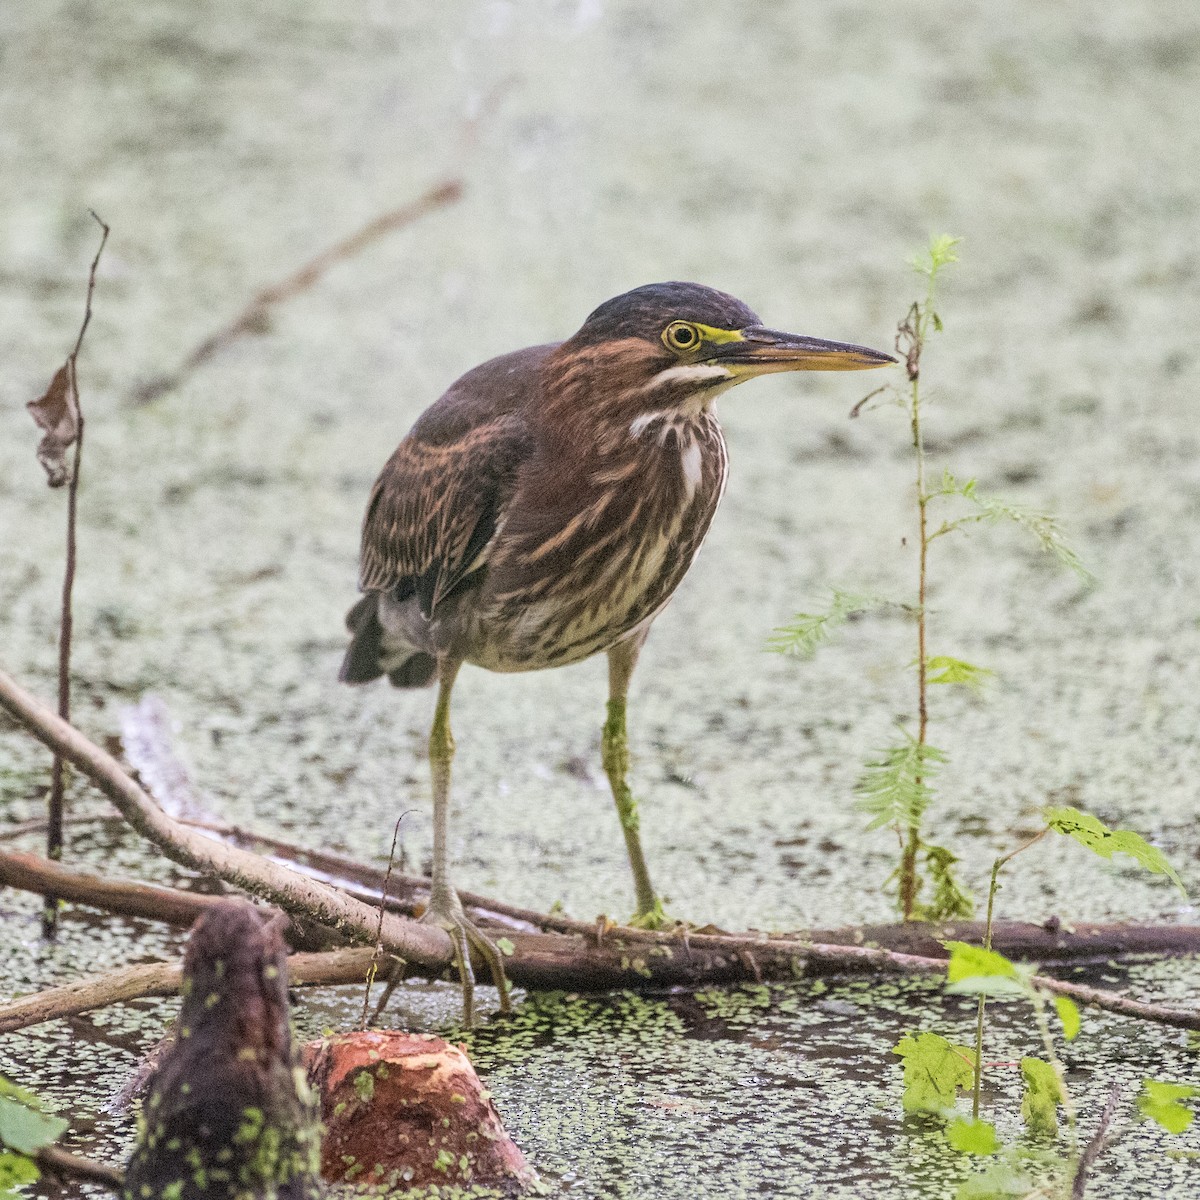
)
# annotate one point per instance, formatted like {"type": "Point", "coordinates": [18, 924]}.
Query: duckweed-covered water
{"type": "Point", "coordinates": [794, 155]}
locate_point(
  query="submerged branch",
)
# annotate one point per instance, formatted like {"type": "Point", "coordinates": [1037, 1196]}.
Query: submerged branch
{"type": "Point", "coordinates": [63, 1163]}
{"type": "Point", "coordinates": [255, 317]}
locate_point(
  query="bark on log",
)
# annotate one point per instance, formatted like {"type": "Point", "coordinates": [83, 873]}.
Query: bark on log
{"type": "Point", "coordinates": [1051, 942]}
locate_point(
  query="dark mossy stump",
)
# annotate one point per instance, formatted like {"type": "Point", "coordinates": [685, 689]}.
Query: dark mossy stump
{"type": "Point", "coordinates": [407, 1110]}
{"type": "Point", "coordinates": [228, 1114]}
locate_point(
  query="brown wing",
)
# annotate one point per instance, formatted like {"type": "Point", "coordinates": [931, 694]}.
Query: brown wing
{"type": "Point", "coordinates": [435, 507]}
{"type": "Point", "coordinates": [436, 504]}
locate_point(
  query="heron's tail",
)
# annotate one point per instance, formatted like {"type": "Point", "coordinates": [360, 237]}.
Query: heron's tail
{"type": "Point", "coordinates": [368, 658]}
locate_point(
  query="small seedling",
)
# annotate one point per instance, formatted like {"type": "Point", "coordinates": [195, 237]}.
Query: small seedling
{"type": "Point", "coordinates": [895, 786]}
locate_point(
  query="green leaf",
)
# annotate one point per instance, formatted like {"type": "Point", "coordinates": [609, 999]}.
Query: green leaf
{"type": "Point", "coordinates": [25, 1129]}
{"type": "Point", "coordinates": [802, 636]}
{"type": "Point", "coordinates": [1042, 526]}
{"type": "Point", "coordinates": [1091, 832]}
{"type": "Point", "coordinates": [934, 1071]}
{"type": "Point", "coordinates": [972, 970]}
{"type": "Point", "coordinates": [943, 669]}
{"type": "Point", "coordinates": [1068, 1014]}
{"type": "Point", "coordinates": [998, 1182]}
{"type": "Point", "coordinates": [972, 1137]}
{"type": "Point", "coordinates": [894, 788]}
{"type": "Point", "coordinates": [1159, 1101]}
{"type": "Point", "coordinates": [15, 1170]}
{"type": "Point", "coordinates": [1043, 1095]}
{"type": "Point", "coordinates": [505, 947]}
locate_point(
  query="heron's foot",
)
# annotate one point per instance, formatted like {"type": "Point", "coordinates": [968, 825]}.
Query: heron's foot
{"type": "Point", "coordinates": [652, 916]}
{"type": "Point", "coordinates": [446, 912]}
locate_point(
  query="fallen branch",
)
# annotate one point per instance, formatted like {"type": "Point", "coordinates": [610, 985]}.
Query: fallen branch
{"type": "Point", "coordinates": [255, 317]}
{"type": "Point", "coordinates": [406, 893]}
{"type": "Point", "coordinates": [553, 961]}
{"type": "Point", "coordinates": [123, 897]}
{"type": "Point", "coordinates": [147, 738]}
{"type": "Point", "coordinates": [419, 944]}
{"type": "Point", "coordinates": [147, 980]}
{"type": "Point", "coordinates": [148, 901]}
{"type": "Point", "coordinates": [1049, 944]}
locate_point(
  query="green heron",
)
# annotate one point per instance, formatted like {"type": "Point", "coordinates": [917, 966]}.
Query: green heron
{"type": "Point", "coordinates": [545, 509]}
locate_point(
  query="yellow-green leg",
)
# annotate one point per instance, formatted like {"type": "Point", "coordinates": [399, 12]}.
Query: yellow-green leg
{"type": "Point", "coordinates": [445, 909]}
{"type": "Point", "coordinates": [614, 747]}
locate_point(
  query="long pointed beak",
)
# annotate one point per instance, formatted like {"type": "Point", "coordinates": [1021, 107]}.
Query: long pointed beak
{"type": "Point", "coordinates": [761, 351]}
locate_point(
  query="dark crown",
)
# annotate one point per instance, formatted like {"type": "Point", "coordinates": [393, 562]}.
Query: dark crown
{"type": "Point", "coordinates": [645, 311]}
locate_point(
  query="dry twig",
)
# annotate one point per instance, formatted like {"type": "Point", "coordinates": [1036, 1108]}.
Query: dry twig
{"type": "Point", "coordinates": [59, 414]}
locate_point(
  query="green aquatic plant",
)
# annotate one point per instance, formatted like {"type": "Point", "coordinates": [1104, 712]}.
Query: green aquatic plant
{"type": "Point", "coordinates": [895, 788]}
{"type": "Point", "coordinates": [936, 1070]}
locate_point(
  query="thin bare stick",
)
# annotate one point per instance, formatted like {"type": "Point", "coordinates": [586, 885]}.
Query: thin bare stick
{"type": "Point", "coordinates": [54, 814]}
{"type": "Point", "coordinates": [383, 899]}
{"type": "Point", "coordinates": [13, 833]}
{"type": "Point", "coordinates": [292, 892]}
{"type": "Point", "coordinates": [255, 317]}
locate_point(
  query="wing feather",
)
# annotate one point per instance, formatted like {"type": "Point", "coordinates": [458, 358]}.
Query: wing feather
{"type": "Point", "coordinates": [435, 508]}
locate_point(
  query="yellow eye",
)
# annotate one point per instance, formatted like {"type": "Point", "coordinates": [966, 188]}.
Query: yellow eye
{"type": "Point", "coordinates": [681, 337]}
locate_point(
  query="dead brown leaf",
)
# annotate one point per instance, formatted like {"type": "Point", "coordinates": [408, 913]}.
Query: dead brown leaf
{"type": "Point", "coordinates": [57, 415]}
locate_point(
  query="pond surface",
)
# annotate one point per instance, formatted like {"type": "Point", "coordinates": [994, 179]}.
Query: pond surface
{"type": "Point", "coordinates": [795, 156]}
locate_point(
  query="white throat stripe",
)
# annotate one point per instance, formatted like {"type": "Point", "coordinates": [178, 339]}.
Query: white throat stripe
{"type": "Point", "coordinates": [688, 373]}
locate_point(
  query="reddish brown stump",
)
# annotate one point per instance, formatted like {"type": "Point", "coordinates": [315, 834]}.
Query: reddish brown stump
{"type": "Point", "coordinates": [409, 1110]}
